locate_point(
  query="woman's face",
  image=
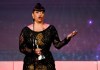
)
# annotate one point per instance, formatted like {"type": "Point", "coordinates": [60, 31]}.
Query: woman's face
{"type": "Point", "coordinates": [38, 16]}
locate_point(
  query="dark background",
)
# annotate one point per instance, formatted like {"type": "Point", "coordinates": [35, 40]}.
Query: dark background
{"type": "Point", "coordinates": [65, 15]}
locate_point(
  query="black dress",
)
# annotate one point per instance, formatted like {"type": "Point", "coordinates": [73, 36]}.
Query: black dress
{"type": "Point", "coordinates": [45, 38]}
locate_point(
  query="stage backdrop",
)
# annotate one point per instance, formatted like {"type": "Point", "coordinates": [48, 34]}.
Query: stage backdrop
{"type": "Point", "coordinates": [65, 15]}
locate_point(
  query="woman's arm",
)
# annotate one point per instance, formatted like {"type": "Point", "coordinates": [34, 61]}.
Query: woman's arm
{"type": "Point", "coordinates": [59, 44]}
{"type": "Point", "coordinates": [23, 46]}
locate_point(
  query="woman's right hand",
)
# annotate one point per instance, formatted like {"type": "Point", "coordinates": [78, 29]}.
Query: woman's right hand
{"type": "Point", "coordinates": [38, 51]}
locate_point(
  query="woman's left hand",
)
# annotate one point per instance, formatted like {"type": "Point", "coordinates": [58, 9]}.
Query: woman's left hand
{"type": "Point", "coordinates": [72, 34]}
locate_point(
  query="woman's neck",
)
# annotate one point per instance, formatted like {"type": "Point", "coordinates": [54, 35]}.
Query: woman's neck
{"type": "Point", "coordinates": [38, 23]}
{"type": "Point", "coordinates": [38, 26]}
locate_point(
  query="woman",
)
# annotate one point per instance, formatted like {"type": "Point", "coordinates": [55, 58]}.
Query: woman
{"type": "Point", "coordinates": [35, 41]}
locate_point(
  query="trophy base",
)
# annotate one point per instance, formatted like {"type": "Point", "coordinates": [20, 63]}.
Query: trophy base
{"type": "Point", "coordinates": [40, 57]}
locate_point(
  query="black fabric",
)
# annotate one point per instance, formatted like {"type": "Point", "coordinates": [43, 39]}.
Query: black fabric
{"type": "Point", "coordinates": [45, 38]}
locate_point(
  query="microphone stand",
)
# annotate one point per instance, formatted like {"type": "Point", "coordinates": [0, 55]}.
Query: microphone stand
{"type": "Point", "coordinates": [34, 57]}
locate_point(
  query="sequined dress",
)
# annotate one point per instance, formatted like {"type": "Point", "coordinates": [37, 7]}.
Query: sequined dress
{"type": "Point", "coordinates": [45, 38]}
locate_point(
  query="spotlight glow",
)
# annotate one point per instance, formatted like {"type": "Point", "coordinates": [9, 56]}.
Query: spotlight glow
{"type": "Point", "coordinates": [90, 22]}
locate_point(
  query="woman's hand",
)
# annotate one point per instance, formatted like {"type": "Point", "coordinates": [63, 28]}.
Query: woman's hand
{"type": "Point", "coordinates": [38, 51]}
{"type": "Point", "coordinates": [72, 34]}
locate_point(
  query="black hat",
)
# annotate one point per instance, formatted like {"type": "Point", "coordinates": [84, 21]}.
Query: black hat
{"type": "Point", "coordinates": [38, 7]}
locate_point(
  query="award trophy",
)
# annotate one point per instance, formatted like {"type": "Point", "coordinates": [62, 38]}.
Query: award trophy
{"type": "Point", "coordinates": [40, 56]}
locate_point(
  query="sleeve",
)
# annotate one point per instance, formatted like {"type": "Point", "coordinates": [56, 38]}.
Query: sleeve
{"type": "Point", "coordinates": [23, 47]}
{"type": "Point", "coordinates": [56, 41]}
